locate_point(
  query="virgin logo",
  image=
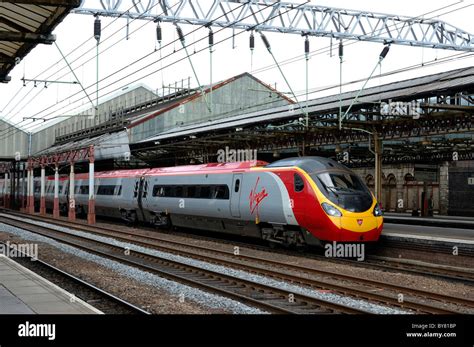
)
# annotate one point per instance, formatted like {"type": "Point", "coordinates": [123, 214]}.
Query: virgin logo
{"type": "Point", "coordinates": [360, 221]}
{"type": "Point", "coordinates": [256, 198]}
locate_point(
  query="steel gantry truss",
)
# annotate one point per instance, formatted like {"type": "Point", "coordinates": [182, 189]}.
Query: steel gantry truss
{"type": "Point", "coordinates": [293, 18]}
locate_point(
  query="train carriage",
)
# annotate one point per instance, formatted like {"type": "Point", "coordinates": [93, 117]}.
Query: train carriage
{"type": "Point", "coordinates": [295, 201]}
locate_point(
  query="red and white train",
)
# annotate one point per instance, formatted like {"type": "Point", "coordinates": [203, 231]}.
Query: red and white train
{"type": "Point", "coordinates": [295, 201]}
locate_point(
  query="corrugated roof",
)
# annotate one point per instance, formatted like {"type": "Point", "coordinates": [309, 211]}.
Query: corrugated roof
{"type": "Point", "coordinates": [197, 94]}
{"type": "Point", "coordinates": [24, 24]}
{"type": "Point", "coordinates": [460, 78]}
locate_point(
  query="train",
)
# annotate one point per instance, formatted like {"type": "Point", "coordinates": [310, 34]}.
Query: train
{"type": "Point", "coordinates": [294, 201]}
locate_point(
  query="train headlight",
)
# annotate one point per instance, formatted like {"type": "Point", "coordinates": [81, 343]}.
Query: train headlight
{"type": "Point", "coordinates": [331, 210]}
{"type": "Point", "coordinates": [377, 211]}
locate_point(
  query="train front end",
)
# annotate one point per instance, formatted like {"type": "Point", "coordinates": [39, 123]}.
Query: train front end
{"type": "Point", "coordinates": [340, 207]}
{"type": "Point", "coordinates": [352, 212]}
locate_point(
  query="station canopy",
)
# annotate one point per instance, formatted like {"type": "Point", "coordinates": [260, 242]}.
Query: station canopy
{"type": "Point", "coordinates": [26, 23]}
{"type": "Point", "coordinates": [106, 146]}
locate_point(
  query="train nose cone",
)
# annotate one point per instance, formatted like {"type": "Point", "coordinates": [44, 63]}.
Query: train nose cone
{"type": "Point", "coordinates": [359, 224]}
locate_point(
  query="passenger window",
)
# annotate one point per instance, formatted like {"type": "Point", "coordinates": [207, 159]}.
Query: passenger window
{"type": "Point", "coordinates": [205, 192]}
{"type": "Point", "coordinates": [191, 192]}
{"type": "Point", "coordinates": [237, 186]}
{"type": "Point", "coordinates": [299, 183]}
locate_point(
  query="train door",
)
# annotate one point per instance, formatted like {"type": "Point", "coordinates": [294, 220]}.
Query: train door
{"type": "Point", "coordinates": [142, 194]}
{"type": "Point", "coordinates": [235, 196]}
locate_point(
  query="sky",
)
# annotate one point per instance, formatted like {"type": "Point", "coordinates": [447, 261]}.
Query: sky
{"type": "Point", "coordinates": [75, 39]}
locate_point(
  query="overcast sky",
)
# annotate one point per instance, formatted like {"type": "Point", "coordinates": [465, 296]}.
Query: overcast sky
{"type": "Point", "coordinates": [359, 60]}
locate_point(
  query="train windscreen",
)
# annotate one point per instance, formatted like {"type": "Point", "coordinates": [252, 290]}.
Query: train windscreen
{"type": "Point", "coordinates": [345, 190]}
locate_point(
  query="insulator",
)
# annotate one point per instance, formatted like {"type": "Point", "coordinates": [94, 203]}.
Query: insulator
{"type": "Point", "coordinates": [306, 45]}
{"type": "Point", "coordinates": [97, 29]}
{"type": "Point", "coordinates": [384, 52]}
{"type": "Point", "coordinates": [159, 35]}
{"type": "Point", "coordinates": [211, 37]}
{"type": "Point", "coordinates": [265, 41]}
{"type": "Point", "coordinates": [180, 33]}
{"type": "Point", "coordinates": [341, 49]}
{"type": "Point", "coordinates": [252, 41]}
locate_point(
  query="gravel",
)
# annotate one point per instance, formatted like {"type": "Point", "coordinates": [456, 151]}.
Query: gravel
{"type": "Point", "coordinates": [290, 288]}
{"type": "Point", "coordinates": [207, 299]}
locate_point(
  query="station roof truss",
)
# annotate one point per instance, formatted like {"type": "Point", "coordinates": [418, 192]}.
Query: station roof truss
{"type": "Point", "coordinates": [281, 128]}
{"type": "Point", "coordinates": [105, 146]}
{"type": "Point", "coordinates": [63, 157]}
{"type": "Point", "coordinates": [294, 18]}
{"type": "Point", "coordinates": [26, 23]}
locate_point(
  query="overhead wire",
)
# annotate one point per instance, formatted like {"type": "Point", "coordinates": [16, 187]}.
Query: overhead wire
{"type": "Point", "coordinates": [181, 60]}
{"type": "Point", "coordinates": [351, 43]}
{"type": "Point", "coordinates": [92, 49]}
{"type": "Point", "coordinates": [141, 68]}
{"type": "Point", "coordinates": [118, 71]}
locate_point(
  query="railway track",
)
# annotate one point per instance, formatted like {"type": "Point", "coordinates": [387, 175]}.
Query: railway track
{"type": "Point", "coordinates": [266, 297]}
{"type": "Point", "coordinates": [99, 298]}
{"type": "Point", "coordinates": [351, 286]}
{"type": "Point", "coordinates": [413, 267]}
{"type": "Point", "coordinates": [371, 261]}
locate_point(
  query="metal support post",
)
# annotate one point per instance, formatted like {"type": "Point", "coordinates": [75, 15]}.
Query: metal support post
{"type": "Point", "coordinates": [378, 168]}
{"type": "Point", "coordinates": [42, 192]}
{"type": "Point", "coordinates": [56, 192]}
{"type": "Point", "coordinates": [91, 207]}
{"type": "Point", "coordinates": [72, 200]}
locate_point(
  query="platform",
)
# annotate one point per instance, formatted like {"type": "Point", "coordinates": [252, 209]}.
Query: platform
{"type": "Point", "coordinates": [435, 221]}
{"type": "Point", "coordinates": [24, 292]}
{"type": "Point", "coordinates": [445, 234]}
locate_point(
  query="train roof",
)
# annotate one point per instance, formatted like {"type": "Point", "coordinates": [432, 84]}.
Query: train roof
{"type": "Point", "coordinates": [211, 167]}
{"type": "Point", "coordinates": [309, 164]}
{"type": "Point", "coordinates": [202, 168]}
{"type": "Point", "coordinates": [105, 174]}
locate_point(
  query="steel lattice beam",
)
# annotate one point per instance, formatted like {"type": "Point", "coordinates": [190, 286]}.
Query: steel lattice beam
{"type": "Point", "coordinates": [285, 17]}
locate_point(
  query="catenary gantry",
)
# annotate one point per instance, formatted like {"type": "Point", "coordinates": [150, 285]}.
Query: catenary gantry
{"type": "Point", "coordinates": [303, 18]}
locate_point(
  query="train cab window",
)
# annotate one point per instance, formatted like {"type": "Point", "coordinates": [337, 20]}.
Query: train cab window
{"type": "Point", "coordinates": [299, 183]}
{"type": "Point", "coordinates": [119, 190]}
{"type": "Point", "coordinates": [237, 186]}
